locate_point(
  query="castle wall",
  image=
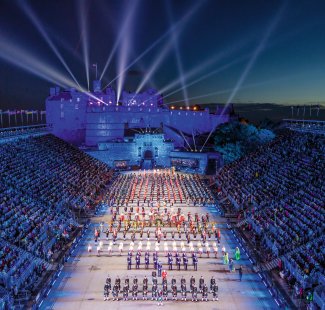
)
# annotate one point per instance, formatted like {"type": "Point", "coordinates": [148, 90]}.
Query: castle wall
{"type": "Point", "coordinates": [134, 151]}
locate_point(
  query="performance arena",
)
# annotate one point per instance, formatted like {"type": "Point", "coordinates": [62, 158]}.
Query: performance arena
{"type": "Point", "coordinates": [79, 234]}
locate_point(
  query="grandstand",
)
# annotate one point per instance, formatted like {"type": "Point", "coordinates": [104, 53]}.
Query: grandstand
{"type": "Point", "coordinates": [46, 186]}
{"type": "Point", "coordinates": [278, 192]}
{"type": "Point", "coordinates": [269, 204]}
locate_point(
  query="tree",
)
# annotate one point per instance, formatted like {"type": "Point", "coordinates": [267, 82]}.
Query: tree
{"type": "Point", "coordinates": [235, 139]}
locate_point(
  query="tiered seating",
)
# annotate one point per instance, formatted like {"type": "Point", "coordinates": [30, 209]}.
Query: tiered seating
{"type": "Point", "coordinates": [307, 264]}
{"type": "Point", "coordinates": [280, 187]}
{"type": "Point", "coordinates": [18, 266]}
{"type": "Point", "coordinates": [42, 181]}
{"type": "Point", "coordinates": [9, 133]}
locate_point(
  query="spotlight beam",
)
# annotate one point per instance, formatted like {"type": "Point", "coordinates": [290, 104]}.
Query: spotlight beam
{"type": "Point", "coordinates": [177, 54]}
{"type": "Point", "coordinates": [209, 62]}
{"type": "Point", "coordinates": [123, 31]}
{"type": "Point", "coordinates": [255, 55]}
{"type": "Point", "coordinates": [185, 140]}
{"type": "Point", "coordinates": [154, 66]}
{"type": "Point", "coordinates": [203, 77]}
{"type": "Point", "coordinates": [20, 57]}
{"type": "Point", "coordinates": [122, 60]}
{"type": "Point", "coordinates": [84, 37]}
{"type": "Point", "coordinates": [123, 56]}
{"type": "Point", "coordinates": [38, 25]}
{"type": "Point", "coordinates": [184, 19]}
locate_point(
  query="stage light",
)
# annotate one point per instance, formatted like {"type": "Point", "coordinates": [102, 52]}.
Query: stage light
{"type": "Point", "coordinates": [195, 108]}
{"type": "Point", "coordinates": [187, 108]}
{"type": "Point", "coordinates": [181, 108]}
{"type": "Point", "coordinates": [172, 107]}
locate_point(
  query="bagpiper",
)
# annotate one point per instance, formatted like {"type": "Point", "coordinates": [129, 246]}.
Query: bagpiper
{"type": "Point", "coordinates": [154, 292]}
{"type": "Point", "coordinates": [212, 283]}
{"type": "Point", "coordinates": [201, 284]}
{"type": "Point", "coordinates": [194, 293]}
{"type": "Point", "coordinates": [135, 291]}
{"type": "Point", "coordinates": [165, 291]}
{"type": "Point", "coordinates": [192, 283]}
{"type": "Point", "coordinates": [183, 290]}
{"type": "Point", "coordinates": [174, 292]}
{"type": "Point", "coordinates": [115, 292]}
{"type": "Point", "coordinates": [125, 292]}
{"type": "Point", "coordinates": [215, 292]}
{"type": "Point", "coordinates": [205, 293]}
{"type": "Point", "coordinates": [118, 283]}
{"type": "Point", "coordinates": [106, 291]}
{"type": "Point", "coordinates": [145, 288]}
{"type": "Point", "coordinates": [127, 283]}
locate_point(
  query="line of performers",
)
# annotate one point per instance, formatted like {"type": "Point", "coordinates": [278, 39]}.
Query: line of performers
{"type": "Point", "coordinates": [160, 292]}
{"type": "Point", "coordinates": [158, 264]}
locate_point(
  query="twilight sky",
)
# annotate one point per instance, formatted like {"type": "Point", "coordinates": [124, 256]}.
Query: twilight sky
{"type": "Point", "coordinates": [225, 51]}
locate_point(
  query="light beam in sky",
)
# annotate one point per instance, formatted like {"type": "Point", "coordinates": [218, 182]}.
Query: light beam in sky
{"type": "Point", "coordinates": [183, 20]}
{"type": "Point", "coordinates": [256, 54]}
{"type": "Point", "coordinates": [177, 54]}
{"type": "Point", "coordinates": [83, 21]}
{"type": "Point", "coordinates": [40, 27]}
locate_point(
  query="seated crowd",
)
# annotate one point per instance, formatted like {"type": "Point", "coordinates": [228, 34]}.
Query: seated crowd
{"type": "Point", "coordinates": [280, 191]}
{"type": "Point", "coordinates": [44, 182]}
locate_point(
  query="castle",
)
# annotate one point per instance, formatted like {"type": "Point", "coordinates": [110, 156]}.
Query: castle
{"type": "Point", "coordinates": [134, 130]}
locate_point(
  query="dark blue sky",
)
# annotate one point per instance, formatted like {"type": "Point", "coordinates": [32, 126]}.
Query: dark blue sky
{"type": "Point", "coordinates": [260, 51]}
